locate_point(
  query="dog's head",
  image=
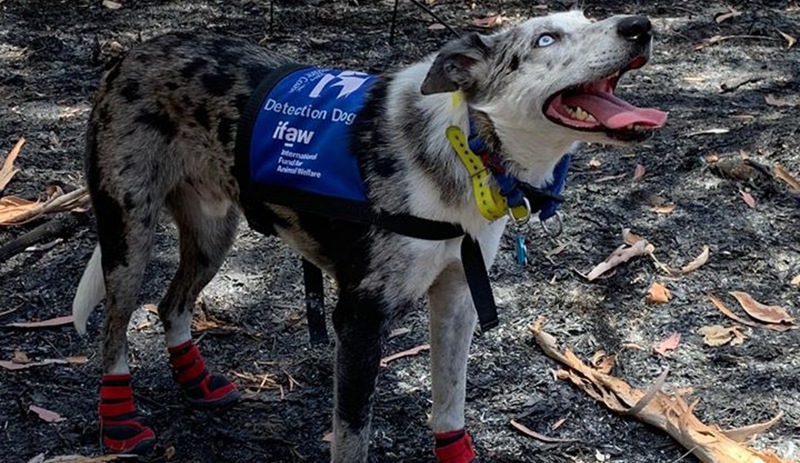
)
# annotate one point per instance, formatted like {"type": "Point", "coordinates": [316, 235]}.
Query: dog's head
{"type": "Point", "coordinates": [553, 75]}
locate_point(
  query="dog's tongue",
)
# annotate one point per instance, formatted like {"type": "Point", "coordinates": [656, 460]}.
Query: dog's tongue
{"type": "Point", "coordinates": [614, 112]}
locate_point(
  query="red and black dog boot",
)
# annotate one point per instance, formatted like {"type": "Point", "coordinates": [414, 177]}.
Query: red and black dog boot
{"type": "Point", "coordinates": [120, 423]}
{"type": "Point", "coordinates": [203, 389]}
{"type": "Point", "coordinates": [454, 447]}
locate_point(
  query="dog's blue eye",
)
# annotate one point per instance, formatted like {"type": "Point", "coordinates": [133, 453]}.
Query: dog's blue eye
{"type": "Point", "coordinates": [545, 40]}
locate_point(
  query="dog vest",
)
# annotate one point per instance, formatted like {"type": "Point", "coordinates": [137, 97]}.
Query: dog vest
{"type": "Point", "coordinates": [293, 149]}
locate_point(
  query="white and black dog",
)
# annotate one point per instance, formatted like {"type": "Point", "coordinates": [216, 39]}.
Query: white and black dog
{"type": "Point", "coordinates": [163, 132]}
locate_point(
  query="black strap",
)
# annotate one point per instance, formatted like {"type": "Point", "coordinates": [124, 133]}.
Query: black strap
{"type": "Point", "coordinates": [315, 303]}
{"type": "Point", "coordinates": [478, 282]}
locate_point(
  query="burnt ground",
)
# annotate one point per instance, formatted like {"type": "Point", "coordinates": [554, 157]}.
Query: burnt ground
{"type": "Point", "coordinates": [52, 55]}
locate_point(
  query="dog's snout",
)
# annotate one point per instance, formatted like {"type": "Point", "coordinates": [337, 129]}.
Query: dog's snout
{"type": "Point", "coordinates": [635, 29]}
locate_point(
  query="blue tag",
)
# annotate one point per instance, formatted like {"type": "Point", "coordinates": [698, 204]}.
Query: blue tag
{"type": "Point", "coordinates": [522, 250]}
{"type": "Point", "coordinates": [301, 137]}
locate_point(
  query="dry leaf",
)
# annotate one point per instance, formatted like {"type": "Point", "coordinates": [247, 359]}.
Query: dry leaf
{"type": "Point", "coordinates": [490, 21]}
{"type": "Point", "coordinates": [112, 5]}
{"type": "Point", "coordinates": [716, 131]}
{"type": "Point", "coordinates": [8, 170]}
{"type": "Point", "coordinates": [720, 18]}
{"type": "Point", "coordinates": [595, 163]}
{"type": "Point", "coordinates": [772, 100]}
{"type": "Point", "coordinates": [729, 313]}
{"type": "Point", "coordinates": [638, 173]}
{"type": "Point", "coordinates": [14, 364]}
{"type": "Point", "coordinates": [17, 211]}
{"type": "Point", "coordinates": [169, 452]}
{"type": "Point", "coordinates": [658, 294]}
{"type": "Point", "coordinates": [58, 321]}
{"type": "Point", "coordinates": [604, 362]}
{"type": "Point", "coordinates": [531, 433]}
{"type": "Point", "coordinates": [748, 199]}
{"type": "Point", "coordinates": [152, 308]}
{"type": "Point", "coordinates": [746, 432]}
{"type": "Point", "coordinates": [636, 246]}
{"type": "Point", "coordinates": [671, 343]}
{"type": "Point", "coordinates": [784, 175]}
{"type": "Point", "coordinates": [406, 353]}
{"type": "Point", "coordinates": [796, 280]}
{"type": "Point", "coordinates": [20, 358]}
{"type": "Point", "coordinates": [698, 262]}
{"type": "Point", "coordinates": [558, 424]}
{"type": "Point", "coordinates": [118, 457]}
{"type": "Point", "coordinates": [667, 412]}
{"type": "Point", "coordinates": [790, 41]}
{"type": "Point", "coordinates": [328, 437]}
{"type": "Point", "coordinates": [629, 237]}
{"type": "Point", "coordinates": [761, 312]}
{"type": "Point", "coordinates": [717, 335]}
{"type": "Point", "coordinates": [46, 415]}
{"type": "Point", "coordinates": [665, 209]}
{"type": "Point", "coordinates": [437, 27]}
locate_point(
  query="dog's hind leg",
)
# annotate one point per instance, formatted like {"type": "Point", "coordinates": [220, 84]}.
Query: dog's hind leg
{"type": "Point", "coordinates": [360, 325]}
{"type": "Point", "coordinates": [207, 227]}
{"type": "Point", "coordinates": [126, 216]}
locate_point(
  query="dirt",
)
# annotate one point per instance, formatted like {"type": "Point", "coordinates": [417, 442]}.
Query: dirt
{"type": "Point", "coordinates": [52, 55]}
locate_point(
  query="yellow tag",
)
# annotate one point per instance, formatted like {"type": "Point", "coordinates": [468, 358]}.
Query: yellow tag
{"type": "Point", "coordinates": [491, 203]}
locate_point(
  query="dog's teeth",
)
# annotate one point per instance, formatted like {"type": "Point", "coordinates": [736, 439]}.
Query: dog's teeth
{"type": "Point", "coordinates": [590, 118]}
{"type": "Point", "coordinates": [581, 114]}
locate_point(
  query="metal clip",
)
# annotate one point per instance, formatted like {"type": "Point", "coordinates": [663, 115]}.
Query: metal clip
{"type": "Point", "coordinates": [555, 232]}
{"type": "Point", "coordinates": [526, 218]}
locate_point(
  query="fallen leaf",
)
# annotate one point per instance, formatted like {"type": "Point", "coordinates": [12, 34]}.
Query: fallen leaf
{"type": "Point", "coordinates": [604, 362]}
{"type": "Point", "coordinates": [718, 335]}
{"type": "Point", "coordinates": [743, 117]}
{"type": "Point", "coordinates": [117, 457]}
{"type": "Point", "coordinates": [8, 170]}
{"type": "Point", "coordinates": [20, 357]}
{"type": "Point", "coordinates": [790, 41]}
{"type": "Point", "coordinates": [796, 280]}
{"type": "Point", "coordinates": [716, 131]}
{"type": "Point", "coordinates": [531, 433]}
{"type": "Point", "coordinates": [112, 5]}
{"type": "Point", "coordinates": [761, 312]}
{"type": "Point", "coordinates": [746, 432]}
{"type": "Point", "coordinates": [490, 21]}
{"type": "Point", "coordinates": [665, 209]}
{"type": "Point", "coordinates": [399, 332]}
{"type": "Point", "coordinates": [328, 437]}
{"type": "Point", "coordinates": [698, 262]}
{"type": "Point", "coordinates": [772, 100]}
{"type": "Point", "coordinates": [632, 345]}
{"type": "Point", "coordinates": [595, 163]}
{"type": "Point", "coordinates": [46, 415]}
{"type": "Point", "coordinates": [152, 308]}
{"type": "Point", "coordinates": [169, 452]}
{"type": "Point", "coordinates": [77, 360]}
{"type": "Point", "coordinates": [406, 353]}
{"type": "Point", "coordinates": [658, 294]}
{"type": "Point", "coordinates": [558, 424]}
{"type": "Point", "coordinates": [671, 343]}
{"type": "Point", "coordinates": [630, 238]}
{"type": "Point", "coordinates": [784, 175]}
{"type": "Point", "coordinates": [12, 206]}
{"type": "Point", "coordinates": [748, 199]}
{"type": "Point", "coordinates": [709, 41]}
{"type": "Point", "coordinates": [437, 27]}
{"type": "Point", "coordinates": [729, 313]}
{"type": "Point", "coordinates": [609, 178]}
{"type": "Point", "coordinates": [58, 321]}
{"type": "Point", "coordinates": [638, 173]}
{"type": "Point", "coordinates": [720, 18]}
{"type": "Point", "coordinates": [622, 254]}
{"type": "Point", "coordinates": [13, 365]}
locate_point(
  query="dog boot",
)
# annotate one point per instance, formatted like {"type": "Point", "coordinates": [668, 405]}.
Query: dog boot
{"type": "Point", "coordinates": [120, 424]}
{"type": "Point", "coordinates": [202, 388]}
{"type": "Point", "coordinates": [454, 447]}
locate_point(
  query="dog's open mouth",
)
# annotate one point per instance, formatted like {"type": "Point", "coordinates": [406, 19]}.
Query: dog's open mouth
{"type": "Point", "coordinates": [593, 107]}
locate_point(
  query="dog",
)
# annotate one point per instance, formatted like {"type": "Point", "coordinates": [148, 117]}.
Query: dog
{"type": "Point", "coordinates": [162, 133]}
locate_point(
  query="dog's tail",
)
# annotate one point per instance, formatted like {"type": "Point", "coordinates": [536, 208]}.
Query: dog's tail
{"type": "Point", "coordinates": [91, 291]}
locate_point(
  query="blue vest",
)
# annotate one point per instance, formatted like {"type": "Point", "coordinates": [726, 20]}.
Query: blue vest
{"type": "Point", "coordinates": [300, 137]}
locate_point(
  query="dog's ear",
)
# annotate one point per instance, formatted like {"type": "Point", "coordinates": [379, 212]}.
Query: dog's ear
{"type": "Point", "coordinates": [453, 67]}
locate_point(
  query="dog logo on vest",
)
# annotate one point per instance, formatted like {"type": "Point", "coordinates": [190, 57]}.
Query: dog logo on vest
{"type": "Point", "coordinates": [291, 135]}
{"type": "Point", "coordinates": [350, 81]}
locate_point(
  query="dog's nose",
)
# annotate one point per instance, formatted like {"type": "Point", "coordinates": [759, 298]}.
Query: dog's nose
{"type": "Point", "coordinates": [635, 29]}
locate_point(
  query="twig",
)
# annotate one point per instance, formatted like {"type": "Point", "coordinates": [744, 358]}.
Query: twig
{"type": "Point", "coordinates": [394, 22]}
{"type": "Point", "coordinates": [55, 228]}
{"type": "Point", "coordinates": [60, 203]}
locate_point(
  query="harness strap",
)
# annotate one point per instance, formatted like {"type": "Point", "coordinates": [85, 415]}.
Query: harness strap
{"type": "Point", "coordinates": [315, 303]}
{"type": "Point", "coordinates": [478, 282]}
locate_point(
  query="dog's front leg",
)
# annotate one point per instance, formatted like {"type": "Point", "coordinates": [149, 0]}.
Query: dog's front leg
{"type": "Point", "coordinates": [452, 322]}
{"type": "Point", "coordinates": [359, 323]}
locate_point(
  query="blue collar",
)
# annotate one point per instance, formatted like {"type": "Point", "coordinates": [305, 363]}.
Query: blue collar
{"type": "Point", "coordinates": [544, 200]}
